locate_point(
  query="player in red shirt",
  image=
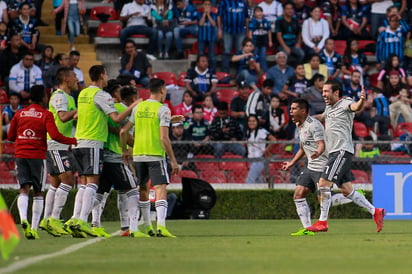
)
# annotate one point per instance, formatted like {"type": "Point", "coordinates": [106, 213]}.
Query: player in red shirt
{"type": "Point", "coordinates": [28, 129]}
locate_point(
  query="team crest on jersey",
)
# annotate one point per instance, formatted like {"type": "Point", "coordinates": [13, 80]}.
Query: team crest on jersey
{"type": "Point", "coordinates": [66, 163]}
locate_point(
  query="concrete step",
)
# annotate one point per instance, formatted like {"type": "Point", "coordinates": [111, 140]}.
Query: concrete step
{"type": "Point", "coordinates": [52, 39]}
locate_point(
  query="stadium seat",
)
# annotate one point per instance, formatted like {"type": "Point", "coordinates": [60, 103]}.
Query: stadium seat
{"type": "Point", "coordinates": [181, 79]}
{"type": "Point", "coordinates": [279, 176]}
{"type": "Point", "coordinates": [261, 79]}
{"type": "Point", "coordinates": [144, 93]}
{"type": "Point", "coordinates": [108, 33]}
{"type": "Point", "coordinates": [140, 39]}
{"type": "Point", "coordinates": [213, 176]}
{"type": "Point", "coordinates": [237, 176]}
{"type": "Point", "coordinates": [232, 165]}
{"type": "Point", "coordinates": [373, 79]}
{"type": "Point", "coordinates": [222, 75]}
{"type": "Point", "coordinates": [4, 99]}
{"type": "Point", "coordinates": [366, 43]}
{"type": "Point", "coordinates": [226, 95]}
{"type": "Point", "coordinates": [96, 12]}
{"type": "Point", "coordinates": [361, 176]}
{"type": "Point", "coordinates": [403, 128]}
{"type": "Point", "coordinates": [360, 129]}
{"type": "Point", "coordinates": [340, 46]}
{"type": "Point", "coordinates": [7, 178]}
{"type": "Point", "coordinates": [4, 166]}
{"type": "Point", "coordinates": [8, 148]}
{"type": "Point", "coordinates": [208, 166]}
{"type": "Point", "coordinates": [187, 173]}
{"type": "Point", "coordinates": [212, 9]}
{"type": "Point", "coordinates": [168, 77]}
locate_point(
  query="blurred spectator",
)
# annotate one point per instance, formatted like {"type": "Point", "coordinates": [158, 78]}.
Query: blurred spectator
{"type": "Point", "coordinates": [162, 12]}
{"type": "Point", "coordinates": [354, 20]}
{"type": "Point", "coordinates": [9, 111]}
{"type": "Point", "coordinates": [24, 75]}
{"type": "Point", "coordinates": [201, 81]}
{"type": "Point", "coordinates": [38, 4]}
{"type": "Point", "coordinates": [186, 18]}
{"type": "Point", "coordinates": [401, 106]}
{"type": "Point", "coordinates": [49, 78]}
{"type": "Point", "coordinates": [134, 15]}
{"type": "Point", "coordinates": [26, 27]}
{"type": "Point", "coordinates": [288, 34]}
{"type": "Point", "coordinates": [353, 88]}
{"type": "Point", "coordinates": [314, 94]}
{"type": "Point", "coordinates": [261, 34]}
{"type": "Point", "coordinates": [238, 105]}
{"type": "Point", "coordinates": [185, 108]}
{"type": "Point", "coordinates": [302, 11]}
{"type": "Point", "coordinates": [11, 55]}
{"type": "Point", "coordinates": [332, 13]}
{"type": "Point", "coordinates": [4, 16]}
{"type": "Point", "coordinates": [232, 18]}
{"type": "Point", "coordinates": [315, 31]}
{"type": "Point", "coordinates": [353, 59]}
{"type": "Point", "coordinates": [272, 10]}
{"type": "Point", "coordinates": [126, 80]}
{"type": "Point", "coordinates": [280, 73]}
{"type": "Point", "coordinates": [331, 59]}
{"type": "Point", "coordinates": [226, 128]}
{"type": "Point", "coordinates": [135, 63]}
{"type": "Point", "coordinates": [393, 10]}
{"type": "Point", "coordinates": [392, 63]}
{"type": "Point", "coordinates": [4, 36]}
{"type": "Point", "coordinates": [408, 59]}
{"type": "Point", "coordinates": [257, 149]}
{"type": "Point", "coordinates": [207, 34]}
{"type": "Point", "coordinates": [74, 58]}
{"type": "Point", "coordinates": [393, 87]}
{"type": "Point", "coordinates": [391, 41]}
{"type": "Point", "coordinates": [258, 102]}
{"type": "Point", "coordinates": [181, 150]}
{"type": "Point", "coordinates": [277, 118]}
{"type": "Point", "coordinates": [197, 129]}
{"type": "Point", "coordinates": [13, 7]}
{"type": "Point", "coordinates": [46, 60]}
{"type": "Point", "coordinates": [248, 64]}
{"type": "Point", "coordinates": [379, 111]}
{"type": "Point", "coordinates": [72, 9]}
{"type": "Point", "coordinates": [314, 67]}
{"type": "Point", "coordinates": [297, 84]}
{"type": "Point", "coordinates": [367, 150]}
{"type": "Point", "coordinates": [58, 17]}
{"type": "Point", "coordinates": [378, 13]}
{"type": "Point", "coordinates": [209, 109]}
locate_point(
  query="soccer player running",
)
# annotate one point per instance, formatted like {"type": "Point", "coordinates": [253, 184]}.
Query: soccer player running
{"type": "Point", "coordinates": [29, 128]}
{"type": "Point", "coordinates": [151, 119]}
{"type": "Point", "coordinates": [338, 116]}
{"type": "Point", "coordinates": [94, 107]}
{"type": "Point", "coordinates": [59, 159]}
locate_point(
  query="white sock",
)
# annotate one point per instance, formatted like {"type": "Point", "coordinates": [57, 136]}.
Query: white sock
{"type": "Point", "coordinates": [37, 210]}
{"type": "Point", "coordinates": [78, 202]}
{"type": "Point", "coordinates": [325, 201]}
{"type": "Point", "coordinates": [103, 203]}
{"type": "Point", "coordinates": [23, 205]}
{"type": "Point", "coordinates": [88, 201]}
{"type": "Point", "coordinates": [96, 211]}
{"type": "Point", "coordinates": [161, 211]}
{"type": "Point", "coordinates": [49, 202]}
{"type": "Point", "coordinates": [303, 211]}
{"type": "Point", "coordinates": [340, 199]}
{"type": "Point", "coordinates": [123, 211]}
{"type": "Point", "coordinates": [133, 208]}
{"type": "Point", "coordinates": [60, 199]}
{"type": "Point", "coordinates": [145, 210]}
{"type": "Point", "coordinates": [361, 201]}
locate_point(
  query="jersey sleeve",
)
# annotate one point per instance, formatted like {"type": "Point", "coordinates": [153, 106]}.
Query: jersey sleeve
{"type": "Point", "coordinates": [317, 131]}
{"type": "Point", "coordinates": [165, 116]}
{"type": "Point", "coordinates": [54, 132]}
{"type": "Point", "coordinates": [59, 102]}
{"type": "Point", "coordinates": [133, 115]}
{"type": "Point", "coordinates": [105, 102]}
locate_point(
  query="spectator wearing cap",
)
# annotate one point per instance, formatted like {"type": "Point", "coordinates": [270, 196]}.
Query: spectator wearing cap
{"type": "Point", "coordinates": [258, 102]}
{"type": "Point", "coordinates": [238, 104]}
{"type": "Point", "coordinates": [226, 128]}
{"type": "Point", "coordinates": [280, 73]}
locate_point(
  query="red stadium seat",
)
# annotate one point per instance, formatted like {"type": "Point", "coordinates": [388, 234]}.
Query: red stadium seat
{"type": "Point", "coordinates": [261, 79]}
{"type": "Point", "coordinates": [4, 166]}
{"type": "Point", "coordinates": [213, 176]}
{"type": "Point", "coordinates": [361, 177]}
{"type": "Point", "coordinates": [4, 99]}
{"type": "Point", "coordinates": [109, 30]}
{"type": "Point", "coordinates": [360, 129]}
{"type": "Point", "coordinates": [181, 79]}
{"type": "Point", "coordinates": [7, 178]}
{"type": "Point", "coordinates": [212, 9]}
{"type": "Point", "coordinates": [222, 75]}
{"type": "Point", "coordinates": [187, 174]}
{"type": "Point", "coordinates": [340, 46]}
{"type": "Point", "coordinates": [232, 165]}
{"type": "Point", "coordinates": [226, 95]}
{"type": "Point", "coordinates": [208, 166]}
{"type": "Point", "coordinates": [8, 148]}
{"type": "Point", "coordinates": [363, 44]}
{"type": "Point", "coordinates": [106, 10]}
{"type": "Point", "coordinates": [373, 79]}
{"type": "Point", "coordinates": [237, 176]}
{"type": "Point", "coordinates": [144, 93]}
{"type": "Point", "coordinates": [403, 128]}
{"type": "Point", "coordinates": [168, 77]}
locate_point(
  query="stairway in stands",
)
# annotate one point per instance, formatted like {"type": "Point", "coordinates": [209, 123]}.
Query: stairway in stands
{"type": "Point", "coordinates": [60, 44]}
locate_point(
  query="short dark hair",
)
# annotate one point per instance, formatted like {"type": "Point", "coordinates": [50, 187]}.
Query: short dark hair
{"type": "Point", "coordinates": [317, 77]}
{"type": "Point", "coordinates": [15, 94]}
{"type": "Point", "coordinates": [223, 106]}
{"type": "Point", "coordinates": [336, 85]}
{"type": "Point", "coordinates": [268, 83]}
{"type": "Point", "coordinates": [95, 72]}
{"type": "Point", "coordinates": [24, 4]}
{"type": "Point", "coordinates": [200, 56]}
{"type": "Point", "coordinates": [246, 40]}
{"type": "Point", "coordinates": [127, 92]}
{"type": "Point", "coordinates": [196, 107]}
{"type": "Point", "coordinates": [61, 73]}
{"type": "Point", "coordinates": [112, 86]}
{"type": "Point", "coordinates": [130, 41]}
{"type": "Point", "coordinates": [156, 85]}
{"type": "Point", "coordinates": [124, 79]}
{"type": "Point", "coordinates": [58, 57]}
{"type": "Point", "coordinates": [302, 103]}
{"type": "Point", "coordinates": [37, 93]}
{"type": "Point", "coordinates": [74, 53]}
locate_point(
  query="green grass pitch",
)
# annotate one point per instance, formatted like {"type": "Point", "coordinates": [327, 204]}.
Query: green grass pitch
{"type": "Point", "coordinates": [232, 246]}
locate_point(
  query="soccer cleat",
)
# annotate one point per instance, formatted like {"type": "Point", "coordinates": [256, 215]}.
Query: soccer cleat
{"type": "Point", "coordinates": [32, 234]}
{"type": "Point", "coordinates": [125, 233]}
{"type": "Point", "coordinates": [56, 226]}
{"type": "Point", "coordinates": [378, 218]}
{"type": "Point", "coordinates": [26, 228]}
{"type": "Point", "coordinates": [138, 234]}
{"type": "Point", "coordinates": [163, 232]}
{"type": "Point", "coordinates": [319, 226]}
{"type": "Point", "coordinates": [149, 230]}
{"type": "Point", "coordinates": [303, 232]}
{"type": "Point", "coordinates": [74, 232]}
{"type": "Point", "coordinates": [85, 227]}
{"type": "Point", "coordinates": [101, 232]}
{"type": "Point", "coordinates": [43, 224]}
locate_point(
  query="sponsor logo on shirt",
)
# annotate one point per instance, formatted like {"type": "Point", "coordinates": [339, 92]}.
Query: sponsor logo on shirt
{"type": "Point", "coordinates": [29, 134]}
{"type": "Point", "coordinates": [31, 113]}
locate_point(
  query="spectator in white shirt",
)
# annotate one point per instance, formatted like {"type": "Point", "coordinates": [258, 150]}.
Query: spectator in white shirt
{"type": "Point", "coordinates": [271, 11]}
{"type": "Point", "coordinates": [24, 75]}
{"type": "Point", "coordinates": [315, 31]}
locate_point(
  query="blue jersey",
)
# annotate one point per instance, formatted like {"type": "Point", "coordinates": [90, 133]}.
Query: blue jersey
{"type": "Point", "coordinates": [351, 92]}
{"type": "Point", "coordinates": [260, 30]}
{"type": "Point", "coordinates": [233, 14]}
{"type": "Point", "coordinates": [390, 42]}
{"type": "Point", "coordinates": [244, 63]}
{"type": "Point", "coordinates": [382, 106]}
{"type": "Point", "coordinates": [189, 13]}
{"type": "Point", "coordinates": [207, 32]}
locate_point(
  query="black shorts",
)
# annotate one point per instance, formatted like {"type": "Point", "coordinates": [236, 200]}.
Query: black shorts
{"type": "Point", "coordinates": [309, 179]}
{"type": "Point", "coordinates": [89, 161]}
{"type": "Point", "coordinates": [59, 161]}
{"type": "Point", "coordinates": [118, 175]}
{"type": "Point", "coordinates": [156, 171]}
{"type": "Point", "coordinates": [338, 168]}
{"type": "Point", "coordinates": [31, 172]}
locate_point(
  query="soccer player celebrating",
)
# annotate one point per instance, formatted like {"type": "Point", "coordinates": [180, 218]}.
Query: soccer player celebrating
{"type": "Point", "coordinates": [338, 116]}
{"type": "Point", "coordinates": [59, 160]}
{"type": "Point", "coordinates": [28, 129]}
{"type": "Point", "coordinates": [151, 120]}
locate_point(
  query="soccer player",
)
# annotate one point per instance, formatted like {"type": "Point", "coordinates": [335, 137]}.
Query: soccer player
{"type": "Point", "coordinates": [94, 107]}
{"type": "Point", "coordinates": [28, 129]}
{"type": "Point", "coordinates": [151, 119]}
{"type": "Point", "coordinates": [59, 160]}
{"type": "Point", "coordinates": [338, 117]}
